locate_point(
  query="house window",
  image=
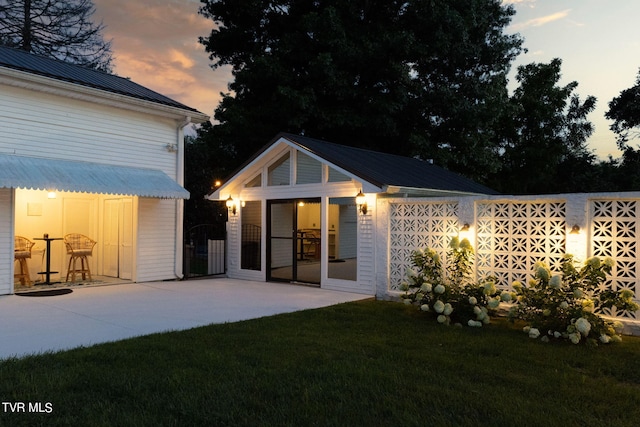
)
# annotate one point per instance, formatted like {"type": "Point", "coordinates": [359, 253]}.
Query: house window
{"type": "Point", "coordinates": [279, 172]}
{"type": "Point", "coordinates": [308, 170]}
{"type": "Point", "coordinates": [335, 176]}
{"type": "Point", "coordinates": [255, 182]}
{"type": "Point", "coordinates": [251, 236]}
{"type": "Point", "coordinates": [343, 238]}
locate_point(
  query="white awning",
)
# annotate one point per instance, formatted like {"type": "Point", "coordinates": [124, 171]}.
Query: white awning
{"type": "Point", "coordinates": [84, 177]}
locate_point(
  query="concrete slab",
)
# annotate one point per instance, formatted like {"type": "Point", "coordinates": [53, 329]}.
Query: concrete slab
{"type": "Point", "coordinates": [30, 325]}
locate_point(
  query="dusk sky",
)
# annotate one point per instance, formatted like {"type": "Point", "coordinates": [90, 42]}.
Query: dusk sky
{"type": "Point", "coordinates": [155, 43]}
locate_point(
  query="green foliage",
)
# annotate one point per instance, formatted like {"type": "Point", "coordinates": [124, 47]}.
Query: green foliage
{"type": "Point", "coordinates": [624, 110]}
{"type": "Point", "coordinates": [567, 305]}
{"type": "Point", "coordinates": [453, 297]}
{"type": "Point", "coordinates": [413, 77]}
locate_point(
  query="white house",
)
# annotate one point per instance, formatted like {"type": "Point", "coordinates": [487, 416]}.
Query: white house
{"type": "Point", "coordinates": [294, 215]}
{"type": "Point", "coordinates": [88, 152]}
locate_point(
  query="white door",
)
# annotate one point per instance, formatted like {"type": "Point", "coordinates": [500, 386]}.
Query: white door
{"type": "Point", "coordinates": [118, 238]}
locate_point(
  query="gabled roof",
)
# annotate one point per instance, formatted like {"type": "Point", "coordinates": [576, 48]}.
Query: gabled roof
{"type": "Point", "coordinates": [388, 170]}
{"type": "Point", "coordinates": [39, 65]}
{"type": "Point", "coordinates": [391, 173]}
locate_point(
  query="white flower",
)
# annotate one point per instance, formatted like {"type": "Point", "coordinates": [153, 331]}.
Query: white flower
{"type": "Point", "coordinates": [494, 303]}
{"type": "Point", "coordinates": [407, 301]}
{"type": "Point", "coordinates": [474, 323]}
{"type": "Point", "coordinates": [544, 339]}
{"type": "Point", "coordinates": [583, 326]}
{"type": "Point", "coordinates": [555, 282]}
{"type": "Point", "coordinates": [442, 318]}
{"type": "Point", "coordinates": [564, 304]}
{"type": "Point", "coordinates": [608, 261]}
{"type": "Point", "coordinates": [424, 307]}
{"type": "Point", "coordinates": [489, 288]}
{"type": "Point", "coordinates": [618, 326]}
{"type": "Point", "coordinates": [439, 289]}
{"type": "Point", "coordinates": [577, 292]}
{"type": "Point", "coordinates": [526, 329]}
{"type": "Point", "coordinates": [517, 285]}
{"type": "Point", "coordinates": [616, 338]}
{"type": "Point", "coordinates": [477, 310]}
{"type": "Point", "coordinates": [605, 338]}
{"type": "Point", "coordinates": [426, 287]}
{"type": "Point", "coordinates": [574, 337]}
{"type": "Point", "coordinates": [448, 309]}
{"type": "Point", "coordinates": [411, 272]}
{"type": "Point", "coordinates": [505, 296]}
{"type": "Point", "coordinates": [557, 334]}
{"type": "Point", "coordinates": [473, 300]}
{"type": "Point", "coordinates": [534, 333]}
{"type": "Point", "coordinates": [588, 306]}
{"type": "Point", "coordinates": [438, 306]}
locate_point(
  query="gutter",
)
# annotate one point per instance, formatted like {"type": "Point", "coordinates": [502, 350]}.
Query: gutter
{"type": "Point", "coordinates": [177, 269]}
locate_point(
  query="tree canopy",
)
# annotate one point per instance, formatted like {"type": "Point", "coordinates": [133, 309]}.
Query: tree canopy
{"type": "Point", "coordinates": [419, 78]}
{"type": "Point", "coordinates": [624, 110]}
{"type": "Point", "coordinates": [59, 29]}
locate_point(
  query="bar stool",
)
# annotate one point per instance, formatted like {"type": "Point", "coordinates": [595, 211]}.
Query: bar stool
{"type": "Point", "coordinates": [22, 251]}
{"type": "Point", "coordinates": [79, 247]}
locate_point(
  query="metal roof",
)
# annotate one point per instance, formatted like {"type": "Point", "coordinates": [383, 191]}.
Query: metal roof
{"type": "Point", "coordinates": [59, 70]}
{"type": "Point", "coordinates": [385, 170]}
{"type": "Point", "coordinates": [84, 177]}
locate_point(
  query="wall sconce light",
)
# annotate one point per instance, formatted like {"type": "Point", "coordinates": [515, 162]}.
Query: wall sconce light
{"type": "Point", "coordinates": [575, 229]}
{"type": "Point", "coordinates": [465, 227]}
{"type": "Point", "coordinates": [171, 148]}
{"type": "Point", "coordinates": [231, 205]}
{"type": "Point", "coordinates": [361, 201]}
{"type": "Point", "coordinates": [51, 194]}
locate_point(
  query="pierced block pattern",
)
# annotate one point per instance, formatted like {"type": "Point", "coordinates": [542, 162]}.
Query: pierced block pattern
{"type": "Point", "coordinates": [511, 237]}
{"type": "Point", "coordinates": [419, 225]}
{"type": "Point", "coordinates": [614, 233]}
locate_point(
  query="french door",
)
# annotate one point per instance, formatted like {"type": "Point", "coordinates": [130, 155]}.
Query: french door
{"type": "Point", "coordinates": [293, 240]}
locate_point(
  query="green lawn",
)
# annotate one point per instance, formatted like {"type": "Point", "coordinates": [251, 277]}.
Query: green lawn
{"type": "Point", "coordinates": [369, 363]}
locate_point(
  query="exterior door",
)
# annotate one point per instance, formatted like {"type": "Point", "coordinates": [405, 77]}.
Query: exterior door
{"type": "Point", "coordinates": [118, 238]}
{"type": "Point", "coordinates": [293, 240]}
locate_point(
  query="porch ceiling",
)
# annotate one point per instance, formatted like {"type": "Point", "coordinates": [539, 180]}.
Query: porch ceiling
{"type": "Point", "coordinates": [65, 175]}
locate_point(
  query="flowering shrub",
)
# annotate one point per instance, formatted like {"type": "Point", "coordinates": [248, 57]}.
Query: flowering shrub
{"type": "Point", "coordinates": [453, 297]}
{"type": "Point", "coordinates": [566, 305]}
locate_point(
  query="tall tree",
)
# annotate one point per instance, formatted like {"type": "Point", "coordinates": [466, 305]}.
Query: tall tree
{"type": "Point", "coordinates": [624, 110]}
{"type": "Point", "coordinates": [544, 134]}
{"type": "Point", "coordinates": [60, 29]}
{"type": "Point", "coordinates": [418, 77]}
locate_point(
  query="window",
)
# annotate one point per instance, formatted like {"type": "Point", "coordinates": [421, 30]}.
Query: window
{"type": "Point", "coordinates": [255, 182]}
{"type": "Point", "coordinates": [251, 236]}
{"type": "Point", "coordinates": [279, 172]}
{"type": "Point", "coordinates": [308, 170]}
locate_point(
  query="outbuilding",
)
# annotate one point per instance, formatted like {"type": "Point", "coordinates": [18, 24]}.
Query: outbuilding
{"type": "Point", "coordinates": [307, 211]}
{"type": "Point", "coordinates": [92, 153]}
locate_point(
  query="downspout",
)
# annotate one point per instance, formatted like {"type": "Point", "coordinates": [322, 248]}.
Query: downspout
{"type": "Point", "coordinates": [180, 202]}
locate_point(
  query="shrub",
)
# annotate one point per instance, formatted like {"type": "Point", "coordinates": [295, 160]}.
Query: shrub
{"type": "Point", "coordinates": [453, 297]}
{"type": "Point", "coordinates": [568, 305]}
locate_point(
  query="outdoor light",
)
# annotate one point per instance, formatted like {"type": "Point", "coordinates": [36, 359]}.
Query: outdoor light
{"type": "Point", "coordinates": [217, 183]}
{"type": "Point", "coordinates": [465, 227]}
{"type": "Point", "coordinates": [231, 205]}
{"type": "Point", "coordinates": [575, 229]}
{"type": "Point", "coordinates": [51, 194]}
{"type": "Point", "coordinates": [361, 201]}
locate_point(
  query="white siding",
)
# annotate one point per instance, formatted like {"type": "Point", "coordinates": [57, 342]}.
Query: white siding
{"type": "Point", "coordinates": [6, 241]}
{"type": "Point", "coordinates": [44, 125]}
{"type": "Point", "coordinates": [156, 239]}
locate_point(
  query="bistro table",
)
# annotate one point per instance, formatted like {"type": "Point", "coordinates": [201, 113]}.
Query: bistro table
{"type": "Point", "coordinates": [47, 273]}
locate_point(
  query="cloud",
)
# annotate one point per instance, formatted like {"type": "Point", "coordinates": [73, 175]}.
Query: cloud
{"type": "Point", "coordinates": [155, 44]}
{"type": "Point", "coordinates": [529, 2]}
{"type": "Point", "coordinates": [543, 20]}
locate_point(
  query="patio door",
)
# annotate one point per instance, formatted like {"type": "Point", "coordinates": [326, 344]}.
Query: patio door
{"type": "Point", "coordinates": [293, 240]}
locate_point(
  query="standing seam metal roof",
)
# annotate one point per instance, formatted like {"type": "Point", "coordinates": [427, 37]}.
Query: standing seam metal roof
{"type": "Point", "coordinates": [24, 61]}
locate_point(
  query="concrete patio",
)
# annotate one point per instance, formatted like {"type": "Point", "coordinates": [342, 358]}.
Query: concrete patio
{"type": "Point", "coordinates": [100, 314]}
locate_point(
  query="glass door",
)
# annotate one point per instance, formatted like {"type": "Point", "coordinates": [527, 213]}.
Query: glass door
{"type": "Point", "coordinates": [293, 240]}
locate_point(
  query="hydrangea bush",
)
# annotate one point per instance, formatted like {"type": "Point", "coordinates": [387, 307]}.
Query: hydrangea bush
{"type": "Point", "coordinates": [452, 296]}
{"type": "Point", "coordinates": [567, 305]}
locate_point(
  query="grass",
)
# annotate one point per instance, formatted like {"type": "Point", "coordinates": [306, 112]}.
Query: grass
{"type": "Point", "coordinates": [368, 363]}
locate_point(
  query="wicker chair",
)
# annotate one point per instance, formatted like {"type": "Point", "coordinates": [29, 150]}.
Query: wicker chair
{"type": "Point", "coordinates": [22, 251]}
{"type": "Point", "coordinates": [79, 247]}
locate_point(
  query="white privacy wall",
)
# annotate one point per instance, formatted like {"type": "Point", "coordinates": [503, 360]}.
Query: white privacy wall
{"type": "Point", "coordinates": [510, 234]}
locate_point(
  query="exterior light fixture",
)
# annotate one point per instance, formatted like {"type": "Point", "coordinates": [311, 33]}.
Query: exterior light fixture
{"type": "Point", "coordinates": [361, 201]}
{"type": "Point", "coordinates": [51, 194]}
{"type": "Point", "coordinates": [217, 183]}
{"type": "Point", "coordinates": [465, 227]}
{"type": "Point", "coordinates": [231, 205]}
{"type": "Point", "coordinates": [575, 229]}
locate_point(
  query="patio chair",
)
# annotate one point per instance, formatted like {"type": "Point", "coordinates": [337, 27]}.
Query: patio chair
{"type": "Point", "coordinates": [79, 247]}
{"type": "Point", "coordinates": [22, 252]}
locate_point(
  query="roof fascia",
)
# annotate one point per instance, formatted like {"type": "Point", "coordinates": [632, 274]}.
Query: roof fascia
{"type": "Point", "coordinates": [398, 191]}
{"type": "Point", "coordinates": [25, 80]}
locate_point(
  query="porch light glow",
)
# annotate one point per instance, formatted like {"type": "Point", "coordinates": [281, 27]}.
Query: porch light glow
{"type": "Point", "coordinates": [465, 232]}
{"type": "Point", "coordinates": [231, 205]}
{"type": "Point", "coordinates": [51, 194]}
{"type": "Point", "coordinates": [361, 201]}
